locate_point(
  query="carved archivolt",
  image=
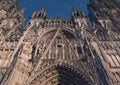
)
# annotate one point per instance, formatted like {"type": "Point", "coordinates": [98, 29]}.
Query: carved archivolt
{"type": "Point", "coordinates": [59, 75]}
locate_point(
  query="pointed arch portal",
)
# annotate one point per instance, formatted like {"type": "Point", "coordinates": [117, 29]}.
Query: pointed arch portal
{"type": "Point", "coordinates": [59, 75]}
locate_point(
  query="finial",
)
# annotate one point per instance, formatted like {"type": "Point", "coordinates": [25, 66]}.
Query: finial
{"type": "Point", "coordinates": [42, 12]}
{"type": "Point", "coordinates": [77, 13]}
{"type": "Point", "coordinates": [22, 11]}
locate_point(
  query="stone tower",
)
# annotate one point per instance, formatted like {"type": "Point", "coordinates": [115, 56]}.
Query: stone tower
{"type": "Point", "coordinates": [11, 28]}
{"type": "Point", "coordinates": [60, 51]}
{"type": "Point", "coordinates": [105, 16]}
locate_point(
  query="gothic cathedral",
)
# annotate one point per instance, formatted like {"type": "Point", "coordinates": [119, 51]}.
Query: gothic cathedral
{"type": "Point", "coordinates": [60, 51]}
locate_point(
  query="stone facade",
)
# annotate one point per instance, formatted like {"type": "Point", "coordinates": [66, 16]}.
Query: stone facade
{"type": "Point", "coordinates": [11, 28]}
{"type": "Point", "coordinates": [60, 51]}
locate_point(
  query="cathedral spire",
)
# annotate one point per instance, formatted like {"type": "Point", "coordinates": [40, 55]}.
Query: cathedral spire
{"type": "Point", "coordinates": [76, 13]}
{"type": "Point", "coordinates": [40, 14]}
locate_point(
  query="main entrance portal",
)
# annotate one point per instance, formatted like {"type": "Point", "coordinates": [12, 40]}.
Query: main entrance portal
{"type": "Point", "coordinates": [59, 75]}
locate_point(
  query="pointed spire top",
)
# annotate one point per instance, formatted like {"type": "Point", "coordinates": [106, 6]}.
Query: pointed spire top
{"type": "Point", "coordinates": [42, 9]}
{"type": "Point", "coordinates": [40, 14]}
{"type": "Point", "coordinates": [76, 13]}
{"type": "Point", "coordinates": [22, 11]}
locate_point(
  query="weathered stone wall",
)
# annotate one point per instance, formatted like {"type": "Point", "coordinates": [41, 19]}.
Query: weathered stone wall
{"type": "Point", "coordinates": [49, 49]}
{"type": "Point", "coordinates": [11, 28]}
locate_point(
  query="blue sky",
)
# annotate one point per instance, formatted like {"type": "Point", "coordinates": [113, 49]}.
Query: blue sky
{"type": "Point", "coordinates": [54, 8]}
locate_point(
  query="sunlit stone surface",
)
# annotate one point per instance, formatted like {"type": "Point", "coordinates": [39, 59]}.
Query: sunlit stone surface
{"type": "Point", "coordinates": [60, 51]}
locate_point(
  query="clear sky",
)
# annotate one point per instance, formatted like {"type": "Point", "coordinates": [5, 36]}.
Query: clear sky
{"type": "Point", "coordinates": [54, 8]}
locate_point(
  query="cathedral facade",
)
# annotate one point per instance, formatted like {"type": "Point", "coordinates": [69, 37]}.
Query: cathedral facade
{"type": "Point", "coordinates": [60, 51]}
